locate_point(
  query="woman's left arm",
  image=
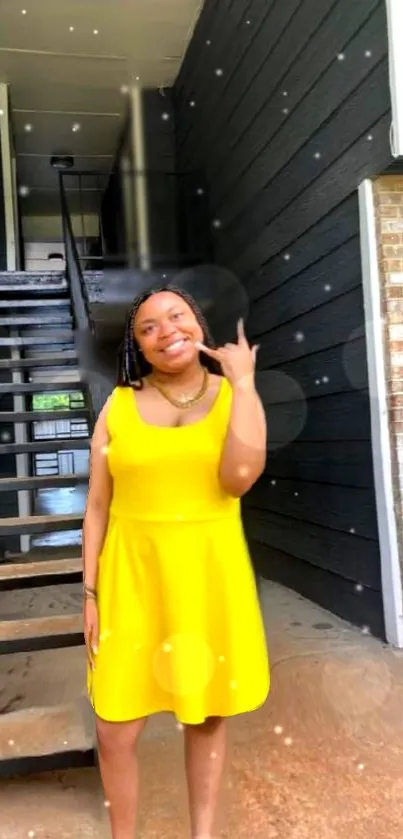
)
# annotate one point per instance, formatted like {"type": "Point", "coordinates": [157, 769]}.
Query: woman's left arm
{"type": "Point", "coordinates": [244, 452]}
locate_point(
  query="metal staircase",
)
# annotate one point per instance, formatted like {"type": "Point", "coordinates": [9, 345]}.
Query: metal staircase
{"type": "Point", "coordinates": [40, 450]}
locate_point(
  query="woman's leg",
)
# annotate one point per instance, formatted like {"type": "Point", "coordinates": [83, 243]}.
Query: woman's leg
{"type": "Point", "coordinates": [117, 742]}
{"type": "Point", "coordinates": [205, 746]}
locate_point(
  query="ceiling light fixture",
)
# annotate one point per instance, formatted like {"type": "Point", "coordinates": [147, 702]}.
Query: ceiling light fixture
{"type": "Point", "coordinates": [76, 127]}
{"type": "Point", "coordinates": [28, 127]}
{"type": "Point", "coordinates": [58, 161]}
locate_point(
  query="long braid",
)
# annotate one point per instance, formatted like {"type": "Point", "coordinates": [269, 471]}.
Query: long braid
{"type": "Point", "coordinates": [132, 366]}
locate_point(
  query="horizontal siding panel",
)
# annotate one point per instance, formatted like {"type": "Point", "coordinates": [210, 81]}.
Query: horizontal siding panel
{"type": "Point", "coordinates": [316, 503]}
{"type": "Point", "coordinates": [346, 554]}
{"type": "Point", "coordinates": [339, 417]}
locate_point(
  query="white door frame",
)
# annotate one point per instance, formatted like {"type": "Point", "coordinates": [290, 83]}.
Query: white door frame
{"type": "Point", "coordinates": [380, 431]}
{"type": "Point", "coordinates": [394, 11]}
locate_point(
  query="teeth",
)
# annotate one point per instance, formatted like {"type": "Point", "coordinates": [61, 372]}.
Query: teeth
{"type": "Point", "coordinates": [174, 346]}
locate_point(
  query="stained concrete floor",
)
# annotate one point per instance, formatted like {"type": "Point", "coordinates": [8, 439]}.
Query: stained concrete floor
{"type": "Point", "coordinates": [323, 759]}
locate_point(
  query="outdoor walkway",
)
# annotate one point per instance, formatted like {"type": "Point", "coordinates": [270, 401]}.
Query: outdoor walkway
{"type": "Point", "coordinates": [322, 760]}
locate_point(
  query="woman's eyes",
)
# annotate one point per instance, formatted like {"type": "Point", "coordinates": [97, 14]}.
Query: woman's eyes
{"type": "Point", "coordinates": [177, 315]}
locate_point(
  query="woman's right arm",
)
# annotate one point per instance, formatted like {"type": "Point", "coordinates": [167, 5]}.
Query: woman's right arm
{"type": "Point", "coordinates": [98, 500]}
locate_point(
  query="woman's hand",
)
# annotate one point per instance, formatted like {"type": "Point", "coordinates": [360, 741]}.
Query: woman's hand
{"type": "Point", "coordinates": [91, 629]}
{"type": "Point", "coordinates": [237, 361]}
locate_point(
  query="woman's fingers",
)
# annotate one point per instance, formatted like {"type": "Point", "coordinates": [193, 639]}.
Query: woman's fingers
{"type": "Point", "coordinates": [216, 354]}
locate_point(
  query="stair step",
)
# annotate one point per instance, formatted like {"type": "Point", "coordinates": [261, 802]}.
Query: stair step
{"type": "Point", "coordinates": [16, 321]}
{"type": "Point", "coordinates": [57, 384]}
{"type": "Point", "coordinates": [39, 524]}
{"type": "Point", "coordinates": [33, 634]}
{"type": "Point", "coordinates": [47, 338]}
{"type": "Point", "coordinates": [47, 572]}
{"type": "Point", "coordinates": [72, 444]}
{"type": "Point", "coordinates": [51, 360]}
{"type": "Point", "coordinates": [37, 303]}
{"type": "Point", "coordinates": [45, 739]}
{"type": "Point", "coordinates": [41, 482]}
{"type": "Point", "coordinates": [43, 416]}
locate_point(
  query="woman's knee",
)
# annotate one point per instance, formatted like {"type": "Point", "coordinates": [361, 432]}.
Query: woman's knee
{"type": "Point", "coordinates": [115, 736]}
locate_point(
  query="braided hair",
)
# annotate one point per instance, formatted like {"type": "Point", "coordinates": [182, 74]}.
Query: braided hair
{"type": "Point", "coordinates": [132, 366]}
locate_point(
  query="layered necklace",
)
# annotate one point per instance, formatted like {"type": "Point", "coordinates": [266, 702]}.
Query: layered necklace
{"type": "Point", "coordinates": [184, 400]}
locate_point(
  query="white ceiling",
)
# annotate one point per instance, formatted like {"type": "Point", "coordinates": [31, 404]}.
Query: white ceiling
{"type": "Point", "coordinates": [67, 62]}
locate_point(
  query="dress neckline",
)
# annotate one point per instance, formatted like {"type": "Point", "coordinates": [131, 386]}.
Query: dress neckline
{"type": "Point", "coordinates": [207, 416]}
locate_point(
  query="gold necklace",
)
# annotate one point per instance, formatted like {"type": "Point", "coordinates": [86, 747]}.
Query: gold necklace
{"type": "Point", "coordinates": [183, 401]}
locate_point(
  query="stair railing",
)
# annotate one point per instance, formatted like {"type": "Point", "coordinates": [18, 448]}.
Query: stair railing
{"type": "Point", "coordinates": [97, 390]}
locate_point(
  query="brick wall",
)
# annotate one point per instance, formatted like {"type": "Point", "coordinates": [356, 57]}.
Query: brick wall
{"type": "Point", "coordinates": [388, 193]}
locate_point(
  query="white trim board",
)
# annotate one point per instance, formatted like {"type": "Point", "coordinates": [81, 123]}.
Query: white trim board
{"type": "Point", "coordinates": [394, 10]}
{"type": "Point", "coordinates": [380, 433]}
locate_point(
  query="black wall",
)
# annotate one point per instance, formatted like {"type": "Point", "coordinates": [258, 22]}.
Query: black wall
{"type": "Point", "coordinates": [298, 116]}
{"type": "Point", "coordinates": [3, 248]}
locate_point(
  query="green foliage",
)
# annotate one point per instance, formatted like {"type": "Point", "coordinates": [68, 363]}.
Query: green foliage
{"type": "Point", "coordinates": [52, 401]}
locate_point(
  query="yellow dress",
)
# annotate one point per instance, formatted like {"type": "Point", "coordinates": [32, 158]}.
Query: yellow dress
{"type": "Point", "coordinates": [180, 622]}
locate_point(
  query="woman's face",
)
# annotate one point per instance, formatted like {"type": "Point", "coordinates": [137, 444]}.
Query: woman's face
{"type": "Point", "coordinates": [166, 329]}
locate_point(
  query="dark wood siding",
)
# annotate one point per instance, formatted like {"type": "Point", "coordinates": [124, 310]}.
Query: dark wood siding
{"type": "Point", "coordinates": [291, 112]}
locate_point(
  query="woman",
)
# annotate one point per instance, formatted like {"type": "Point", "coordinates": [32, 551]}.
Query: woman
{"type": "Point", "coordinates": [172, 621]}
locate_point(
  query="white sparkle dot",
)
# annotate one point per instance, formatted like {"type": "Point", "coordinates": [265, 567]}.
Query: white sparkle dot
{"type": "Point", "coordinates": [361, 766]}
{"type": "Point", "coordinates": [105, 450]}
{"type": "Point", "coordinates": [341, 56]}
{"type": "Point", "coordinates": [327, 287]}
{"type": "Point", "coordinates": [368, 53]}
{"type": "Point", "coordinates": [288, 741]}
{"type": "Point", "coordinates": [370, 137]}
{"type": "Point", "coordinates": [299, 337]}
{"type": "Point", "coordinates": [243, 471]}
{"type": "Point", "coordinates": [71, 28]}
{"type": "Point", "coordinates": [217, 223]}
{"type": "Point", "coordinates": [325, 380]}
{"type": "Point", "coordinates": [317, 155]}
{"type": "Point", "coordinates": [278, 729]}
{"type": "Point", "coordinates": [28, 127]}
{"type": "Point", "coordinates": [287, 257]}
{"type": "Point", "coordinates": [23, 11]}
{"type": "Point", "coordinates": [317, 381]}
{"type": "Point", "coordinates": [208, 43]}
{"type": "Point", "coordinates": [352, 529]}
{"type": "Point", "coordinates": [219, 71]}
{"type": "Point", "coordinates": [11, 743]}
{"type": "Point", "coordinates": [165, 116]}
{"type": "Point", "coordinates": [365, 630]}
{"type": "Point", "coordinates": [192, 103]}
{"type": "Point", "coordinates": [64, 742]}
{"type": "Point", "coordinates": [285, 92]}
{"type": "Point", "coordinates": [248, 22]}
{"type": "Point", "coordinates": [164, 276]}
{"type": "Point", "coordinates": [199, 191]}
{"type": "Point", "coordinates": [167, 647]}
{"type": "Point", "coordinates": [1, 112]}
{"type": "Point", "coordinates": [233, 685]}
{"type": "Point", "coordinates": [31, 834]}
{"type": "Point", "coordinates": [179, 726]}
{"type": "Point", "coordinates": [213, 755]}
{"type": "Point", "coordinates": [359, 587]}
{"type": "Point", "coordinates": [285, 111]}
{"type": "Point", "coordinates": [107, 803]}
{"type": "Point", "coordinates": [124, 89]}
{"type": "Point", "coordinates": [137, 78]}
{"type": "Point", "coordinates": [221, 658]}
{"type": "Point", "coordinates": [96, 31]}
{"type": "Point", "coordinates": [23, 191]}
{"type": "Point", "coordinates": [76, 127]}
{"type": "Point", "coordinates": [296, 493]}
{"type": "Point", "coordinates": [273, 483]}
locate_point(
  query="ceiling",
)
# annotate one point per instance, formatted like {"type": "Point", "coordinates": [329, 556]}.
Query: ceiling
{"type": "Point", "coordinates": [68, 64]}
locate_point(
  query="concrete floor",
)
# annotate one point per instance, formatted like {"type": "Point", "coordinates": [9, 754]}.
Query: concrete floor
{"type": "Point", "coordinates": [322, 760]}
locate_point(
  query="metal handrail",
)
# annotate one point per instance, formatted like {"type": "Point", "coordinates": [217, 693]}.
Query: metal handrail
{"type": "Point", "coordinates": [97, 390]}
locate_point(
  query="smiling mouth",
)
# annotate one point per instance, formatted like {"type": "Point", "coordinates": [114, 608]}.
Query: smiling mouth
{"type": "Point", "coordinates": [177, 345]}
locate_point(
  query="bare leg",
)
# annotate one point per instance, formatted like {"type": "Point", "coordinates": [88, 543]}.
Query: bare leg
{"type": "Point", "coordinates": [205, 757]}
{"type": "Point", "coordinates": [117, 743]}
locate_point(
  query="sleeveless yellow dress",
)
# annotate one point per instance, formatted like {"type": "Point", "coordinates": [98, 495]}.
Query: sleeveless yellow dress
{"type": "Point", "coordinates": [180, 623]}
